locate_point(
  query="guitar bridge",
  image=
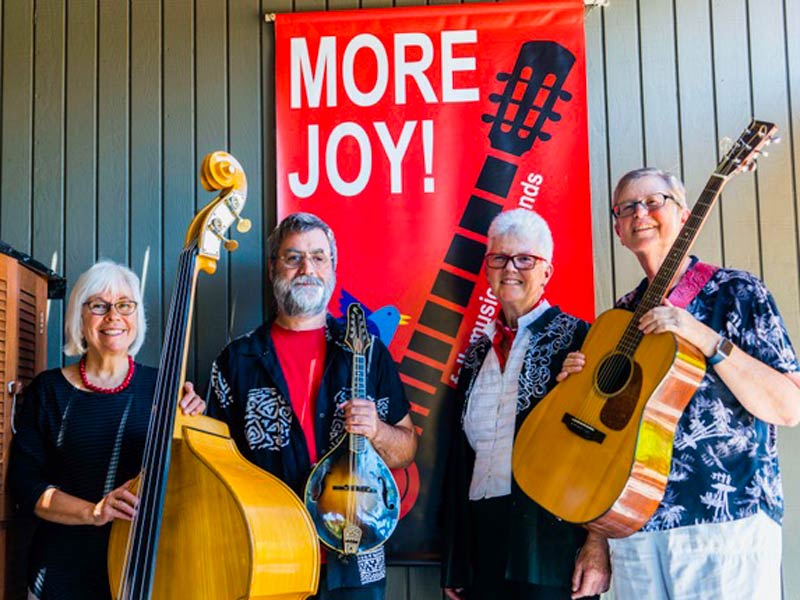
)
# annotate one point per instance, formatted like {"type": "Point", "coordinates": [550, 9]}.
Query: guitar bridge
{"type": "Point", "coordinates": [583, 429]}
{"type": "Point", "coordinates": [351, 538]}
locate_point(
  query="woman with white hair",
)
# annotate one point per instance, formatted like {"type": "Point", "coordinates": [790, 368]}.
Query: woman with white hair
{"type": "Point", "coordinates": [499, 543]}
{"type": "Point", "coordinates": [80, 436]}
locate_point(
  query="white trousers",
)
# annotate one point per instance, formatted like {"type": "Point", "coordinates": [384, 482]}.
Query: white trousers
{"type": "Point", "coordinates": [728, 561]}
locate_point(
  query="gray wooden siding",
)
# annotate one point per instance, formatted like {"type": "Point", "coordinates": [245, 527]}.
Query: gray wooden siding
{"type": "Point", "coordinates": [107, 107]}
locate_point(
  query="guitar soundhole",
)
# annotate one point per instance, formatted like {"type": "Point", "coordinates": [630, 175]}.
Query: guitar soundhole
{"type": "Point", "coordinates": [613, 374]}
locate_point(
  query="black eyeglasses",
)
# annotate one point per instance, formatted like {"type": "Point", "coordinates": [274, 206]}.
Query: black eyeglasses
{"type": "Point", "coordinates": [294, 260]}
{"type": "Point", "coordinates": [100, 308]}
{"type": "Point", "coordinates": [522, 262]}
{"type": "Point", "coordinates": [651, 202]}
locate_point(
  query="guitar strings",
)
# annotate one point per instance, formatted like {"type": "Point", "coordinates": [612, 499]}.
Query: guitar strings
{"type": "Point", "coordinates": [589, 411]}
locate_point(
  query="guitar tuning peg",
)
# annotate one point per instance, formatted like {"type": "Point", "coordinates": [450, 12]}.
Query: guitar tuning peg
{"type": "Point", "coordinates": [776, 140]}
{"type": "Point", "coordinates": [763, 153]}
{"type": "Point", "coordinates": [725, 145]}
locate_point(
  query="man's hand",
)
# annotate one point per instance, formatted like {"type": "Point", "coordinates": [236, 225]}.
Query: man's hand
{"type": "Point", "coordinates": [592, 574]}
{"type": "Point", "coordinates": [191, 403]}
{"type": "Point", "coordinates": [361, 417]}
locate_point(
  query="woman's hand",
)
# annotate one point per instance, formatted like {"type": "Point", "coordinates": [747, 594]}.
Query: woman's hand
{"type": "Point", "coordinates": [191, 403]}
{"type": "Point", "coordinates": [455, 593]}
{"type": "Point", "coordinates": [574, 363]}
{"type": "Point", "coordinates": [120, 503]}
{"type": "Point", "coordinates": [669, 317]}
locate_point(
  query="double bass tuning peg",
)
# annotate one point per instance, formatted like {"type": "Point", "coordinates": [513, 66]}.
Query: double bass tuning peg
{"type": "Point", "coordinates": [217, 229]}
{"type": "Point", "coordinates": [234, 203]}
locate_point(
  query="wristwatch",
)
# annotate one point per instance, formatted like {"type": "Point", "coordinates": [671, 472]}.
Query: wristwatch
{"type": "Point", "coordinates": [722, 351]}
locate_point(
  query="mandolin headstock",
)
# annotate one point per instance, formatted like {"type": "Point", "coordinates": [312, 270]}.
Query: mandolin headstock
{"type": "Point", "coordinates": [356, 334]}
{"type": "Point", "coordinates": [219, 171]}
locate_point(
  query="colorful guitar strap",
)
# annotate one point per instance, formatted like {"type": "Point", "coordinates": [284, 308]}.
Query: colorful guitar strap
{"type": "Point", "coordinates": [694, 280]}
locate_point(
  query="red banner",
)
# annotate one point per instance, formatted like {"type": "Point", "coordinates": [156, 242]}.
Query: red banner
{"type": "Point", "coordinates": [408, 130]}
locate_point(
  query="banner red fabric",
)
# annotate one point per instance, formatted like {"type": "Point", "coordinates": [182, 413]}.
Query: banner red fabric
{"type": "Point", "coordinates": [407, 130]}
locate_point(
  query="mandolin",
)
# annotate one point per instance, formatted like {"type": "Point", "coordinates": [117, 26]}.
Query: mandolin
{"type": "Point", "coordinates": [597, 449]}
{"type": "Point", "coordinates": [209, 524]}
{"type": "Point", "coordinates": [351, 494]}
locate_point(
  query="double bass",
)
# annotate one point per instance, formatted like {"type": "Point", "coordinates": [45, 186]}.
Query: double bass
{"type": "Point", "coordinates": [209, 525]}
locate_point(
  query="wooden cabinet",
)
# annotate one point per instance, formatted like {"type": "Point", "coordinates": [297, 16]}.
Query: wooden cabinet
{"type": "Point", "coordinates": [23, 353]}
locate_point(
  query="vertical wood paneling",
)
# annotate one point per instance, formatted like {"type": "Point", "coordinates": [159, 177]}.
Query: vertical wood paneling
{"type": "Point", "coordinates": [81, 139]}
{"type": "Point", "coordinates": [602, 229]}
{"type": "Point", "coordinates": [624, 110]}
{"type": "Point", "coordinates": [180, 170]}
{"type": "Point", "coordinates": [696, 106]}
{"type": "Point", "coordinates": [107, 108]}
{"type": "Point", "coordinates": [397, 583]}
{"type": "Point", "coordinates": [777, 218]}
{"type": "Point", "coordinates": [211, 129]}
{"type": "Point", "coordinates": [48, 154]}
{"type": "Point", "coordinates": [732, 87]}
{"type": "Point", "coordinates": [423, 583]}
{"type": "Point", "coordinates": [790, 440]}
{"type": "Point", "coordinates": [247, 267]}
{"type": "Point", "coordinates": [659, 86]}
{"type": "Point", "coordinates": [146, 165]}
{"type": "Point", "coordinates": [17, 124]}
{"type": "Point", "coordinates": [113, 211]}
{"type": "Point", "coordinates": [268, 115]}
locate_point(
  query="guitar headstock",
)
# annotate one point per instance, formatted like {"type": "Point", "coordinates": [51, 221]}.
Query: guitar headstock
{"type": "Point", "coordinates": [743, 153]}
{"type": "Point", "coordinates": [356, 335]}
{"type": "Point", "coordinates": [219, 171]}
{"type": "Point", "coordinates": [531, 91]}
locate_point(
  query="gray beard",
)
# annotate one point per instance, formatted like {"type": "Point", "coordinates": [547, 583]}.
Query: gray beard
{"type": "Point", "coordinates": [295, 300]}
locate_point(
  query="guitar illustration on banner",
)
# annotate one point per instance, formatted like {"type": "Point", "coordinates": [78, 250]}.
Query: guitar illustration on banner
{"type": "Point", "coordinates": [614, 422]}
{"type": "Point", "coordinates": [527, 105]}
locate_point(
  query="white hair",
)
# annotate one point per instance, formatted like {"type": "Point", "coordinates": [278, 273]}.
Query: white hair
{"type": "Point", "coordinates": [527, 226]}
{"type": "Point", "coordinates": [104, 276]}
{"type": "Point", "coordinates": [676, 187]}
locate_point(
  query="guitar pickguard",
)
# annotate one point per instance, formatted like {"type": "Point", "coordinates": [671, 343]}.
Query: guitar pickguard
{"type": "Point", "coordinates": [618, 409]}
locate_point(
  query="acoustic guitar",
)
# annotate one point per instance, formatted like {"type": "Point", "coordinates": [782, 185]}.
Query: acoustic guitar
{"type": "Point", "coordinates": [597, 449]}
{"type": "Point", "coordinates": [351, 494]}
{"type": "Point", "coordinates": [209, 525]}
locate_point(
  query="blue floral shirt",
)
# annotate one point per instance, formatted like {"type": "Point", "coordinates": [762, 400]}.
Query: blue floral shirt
{"type": "Point", "coordinates": [725, 460]}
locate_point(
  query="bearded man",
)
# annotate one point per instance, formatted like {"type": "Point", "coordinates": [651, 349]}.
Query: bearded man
{"type": "Point", "coordinates": [284, 389]}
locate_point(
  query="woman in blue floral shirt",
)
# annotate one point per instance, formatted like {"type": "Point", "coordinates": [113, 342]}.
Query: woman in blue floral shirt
{"type": "Point", "coordinates": [716, 533]}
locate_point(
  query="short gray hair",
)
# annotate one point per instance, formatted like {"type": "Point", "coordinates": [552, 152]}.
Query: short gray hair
{"type": "Point", "coordinates": [297, 223]}
{"type": "Point", "coordinates": [525, 225]}
{"type": "Point", "coordinates": [675, 185]}
{"type": "Point", "coordinates": [103, 276]}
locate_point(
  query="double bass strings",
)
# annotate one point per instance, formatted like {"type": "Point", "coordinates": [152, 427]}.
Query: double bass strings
{"type": "Point", "coordinates": [145, 527]}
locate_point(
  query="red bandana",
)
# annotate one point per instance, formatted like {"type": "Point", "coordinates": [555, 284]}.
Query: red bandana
{"type": "Point", "coordinates": [503, 340]}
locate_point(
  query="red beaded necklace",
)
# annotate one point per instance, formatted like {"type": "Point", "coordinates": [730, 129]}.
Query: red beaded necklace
{"type": "Point", "coordinates": [101, 390]}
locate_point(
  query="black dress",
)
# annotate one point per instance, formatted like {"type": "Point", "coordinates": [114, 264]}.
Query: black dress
{"type": "Point", "coordinates": [85, 444]}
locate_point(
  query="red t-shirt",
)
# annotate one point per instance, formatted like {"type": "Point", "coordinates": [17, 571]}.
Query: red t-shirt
{"type": "Point", "coordinates": [302, 358]}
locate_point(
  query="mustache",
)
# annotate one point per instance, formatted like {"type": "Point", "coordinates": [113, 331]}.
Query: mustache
{"type": "Point", "coordinates": [306, 280]}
